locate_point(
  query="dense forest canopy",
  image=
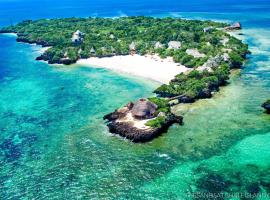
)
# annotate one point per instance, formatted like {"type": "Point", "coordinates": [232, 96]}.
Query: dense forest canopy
{"type": "Point", "coordinates": [201, 45]}
{"type": "Point", "coordinates": [107, 36]}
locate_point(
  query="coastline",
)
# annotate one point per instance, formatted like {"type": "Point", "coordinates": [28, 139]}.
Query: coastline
{"type": "Point", "coordinates": [56, 145]}
{"type": "Point", "coordinates": [179, 82]}
{"type": "Point", "coordinates": [149, 67]}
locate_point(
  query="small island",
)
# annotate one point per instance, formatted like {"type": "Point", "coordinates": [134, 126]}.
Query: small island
{"type": "Point", "coordinates": [191, 58]}
{"type": "Point", "coordinates": [142, 121]}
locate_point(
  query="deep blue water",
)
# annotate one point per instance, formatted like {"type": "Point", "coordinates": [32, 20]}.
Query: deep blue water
{"type": "Point", "coordinates": [53, 141]}
{"type": "Point", "coordinates": [17, 10]}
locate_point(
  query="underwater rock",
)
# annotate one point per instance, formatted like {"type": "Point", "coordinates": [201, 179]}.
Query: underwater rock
{"type": "Point", "coordinates": [11, 151]}
{"type": "Point", "coordinates": [266, 106]}
{"type": "Point", "coordinates": [253, 189]}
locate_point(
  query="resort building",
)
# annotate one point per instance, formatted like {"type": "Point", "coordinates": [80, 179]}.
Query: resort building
{"type": "Point", "coordinates": [144, 109]}
{"type": "Point", "coordinates": [77, 37]}
{"type": "Point", "coordinates": [195, 53]}
{"type": "Point", "coordinates": [174, 45]}
{"type": "Point", "coordinates": [208, 29]}
{"type": "Point", "coordinates": [92, 51]}
{"type": "Point", "coordinates": [132, 48]}
{"type": "Point", "coordinates": [158, 45]}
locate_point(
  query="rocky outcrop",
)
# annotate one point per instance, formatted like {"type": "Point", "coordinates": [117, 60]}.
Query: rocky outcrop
{"type": "Point", "coordinates": [65, 61]}
{"type": "Point", "coordinates": [133, 133]}
{"type": "Point", "coordinates": [38, 42]}
{"type": "Point", "coordinates": [266, 106]}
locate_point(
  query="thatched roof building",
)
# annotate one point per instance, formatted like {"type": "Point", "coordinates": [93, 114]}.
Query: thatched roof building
{"type": "Point", "coordinates": [77, 37]}
{"type": "Point", "coordinates": [132, 46]}
{"type": "Point", "coordinates": [235, 26]}
{"type": "Point", "coordinates": [158, 45]}
{"type": "Point", "coordinates": [112, 36]}
{"type": "Point", "coordinates": [113, 49]}
{"type": "Point", "coordinates": [208, 29]}
{"type": "Point", "coordinates": [174, 45]}
{"type": "Point", "coordinates": [195, 53]}
{"type": "Point", "coordinates": [92, 50]}
{"type": "Point", "coordinates": [144, 109]}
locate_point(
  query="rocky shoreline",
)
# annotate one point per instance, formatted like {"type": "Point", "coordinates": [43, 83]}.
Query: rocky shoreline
{"type": "Point", "coordinates": [128, 130]}
{"type": "Point", "coordinates": [146, 119]}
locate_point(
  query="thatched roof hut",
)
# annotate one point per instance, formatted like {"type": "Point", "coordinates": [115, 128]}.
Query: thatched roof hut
{"type": "Point", "coordinates": [103, 49]}
{"type": "Point", "coordinates": [77, 37]}
{"type": "Point", "coordinates": [93, 51]}
{"type": "Point", "coordinates": [113, 49]}
{"type": "Point", "coordinates": [112, 36]}
{"type": "Point", "coordinates": [144, 109]}
{"type": "Point", "coordinates": [195, 53]}
{"type": "Point", "coordinates": [208, 29]}
{"type": "Point", "coordinates": [132, 46]}
{"type": "Point", "coordinates": [174, 45]}
{"type": "Point", "coordinates": [158, 45]}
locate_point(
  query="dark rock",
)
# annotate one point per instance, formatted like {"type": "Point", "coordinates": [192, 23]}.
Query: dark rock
{"type": "Point", "coordinates": [213, 184]}
{"type": "Point", "coordinates": [6, 31]}
{"type": "Point", "coordinates": [186, 99]}
{"type": "Point", "coordinates": [205, 93]}
{"type": "Point", "coordinates": [40, 57]}
{"type": "Point", "coordinates": [45, 56]}
{"type": "Point", "coordinates": [253, 189]}
{"type": "Point", "coordinates": [11, 151]}
{"type": "Point", "coordinates": [129, 131]}
{"type": "Point", "coordinates": [117, 114]}
{"type": "Point", "coordinates": [21, 38]}
{"type": "Point", "coordinates": [266, 106]}
{"type": "Point", "coordinates": [65, 61]}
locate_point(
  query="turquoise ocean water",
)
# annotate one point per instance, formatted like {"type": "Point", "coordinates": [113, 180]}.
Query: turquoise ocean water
{"type": "Point", "coordinates": [53, 141]}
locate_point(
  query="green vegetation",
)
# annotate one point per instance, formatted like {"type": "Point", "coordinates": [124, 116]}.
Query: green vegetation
{"type": "Point", "coordinates": [267, 101]}
{"type": "Point", "coordinates": [200, 83]}
{"type": "Point", "coordinates": [158, 122]}
{"type": "Point", "coordinates": [196, 84]}
{"type": "Point", "coordinates": [219, 52]}
{"type": "Point", "coordinates": [107, 37]}
{"type": "Point", "coordinates": [163, 104]}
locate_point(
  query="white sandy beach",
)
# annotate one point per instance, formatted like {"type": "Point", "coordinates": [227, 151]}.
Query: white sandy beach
{"type": "Point", "coordinates": [150, 67]}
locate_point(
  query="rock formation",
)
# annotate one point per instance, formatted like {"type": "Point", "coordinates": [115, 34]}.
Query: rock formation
{"type": "Point", "coordinates": [126, 122]}
{"type": "Point", "coordinates": [266, 106]}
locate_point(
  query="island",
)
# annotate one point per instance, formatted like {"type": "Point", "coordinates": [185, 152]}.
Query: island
{"type": "Point", "coordinates": [142, 121]}
{"type": "Point", "coordinates": [190, 58]}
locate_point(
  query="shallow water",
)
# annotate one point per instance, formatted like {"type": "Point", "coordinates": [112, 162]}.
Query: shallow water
{"type": "Point", "coordinates": [54, 144]}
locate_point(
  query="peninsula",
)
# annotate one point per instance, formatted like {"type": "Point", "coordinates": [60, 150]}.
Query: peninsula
{"type": "Point", "coordinates": [191, 59]}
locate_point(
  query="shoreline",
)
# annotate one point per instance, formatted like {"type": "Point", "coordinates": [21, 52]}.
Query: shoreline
{"type": "Point", "coordinates": [149, 67]}
{"type": "Point", "coordinates": [179, 84]}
